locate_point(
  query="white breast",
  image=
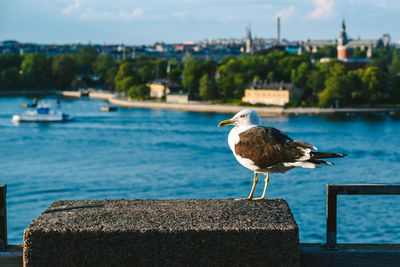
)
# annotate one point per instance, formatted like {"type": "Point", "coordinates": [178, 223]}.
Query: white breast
{"type": "Point", "coordinates": [233, 139]}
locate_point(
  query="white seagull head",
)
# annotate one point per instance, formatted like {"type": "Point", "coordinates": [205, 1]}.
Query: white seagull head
{"type": "Point", "coordinates": [245, 117]}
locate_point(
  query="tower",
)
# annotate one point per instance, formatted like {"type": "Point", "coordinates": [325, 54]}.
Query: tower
{"type": "Point", "coordinates": [344, 52]}
{"type": "Point", "coordinates": [278, 30]}
{"type": "Point", "coordinates": [386, 40]}
{"type": "Point", "coordinates": [249, 41]}
{"type": "Point", "coordinates": [343, 35]}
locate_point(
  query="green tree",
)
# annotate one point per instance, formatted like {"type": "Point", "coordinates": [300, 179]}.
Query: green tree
{"type": "Point", "coordinates": [109, 79]}
{"type": "Point", "coordinates": [126, 70]}
{"type": "Point", "coordinates": [329, 51]}
{"type": "Point", "coordinates": [139, 91]}
{"type": "Point", "coordinates": [271, 76]}
{"type": "Point", "coordinates": [337, 87]}
{"type": "Point", "coordinates": [360, 54]}
{"type": "Point", "coordinates": [374, 81]}
{"type": "Point", "coordinates": [84, 58]}
{"type": "Point", "coordinates": [105, 68]}
{"type": "Point", "coordinates": [161, 68]}
{"type": "Point", "coordinates": [10, 61]}
{"type": "Point", "coordinates": [207, 87]}
{"type": "Point", "coordinates": [395, 88]}
{"type": "Point", "coordinates": [146, 73]}
{"type": "Point", "coordinates": [382, 54]}
{"type": "Point", "coordinates": [36, 71]}
{"type": "Point", "coordinates": [191, 75]}
{"type": "Point", "coordinates": [300, 75]}
{"type": "Point", "coordinates": [9, 78]}
{"type": "Point", "coordinates": [316, 82]}
{"type": "Point", "coordinates": [64, 71]}
{"type": "Point", "coordinates": [233, 78]}
{"type": "Point", "coordinates": [174, 72]}
{"type": "Point", "coordinates": [175, 75]}
{"type": "Point", "coordinates": [188, 58]}
{"type": "Point", "coordinates": [286, 64]}
{"type": "Point", "coordinates": [395, 66]}
{"type": "Point", "coordinates": [394, 77]}
{"type": "Point", "coordinates": [125, 84]}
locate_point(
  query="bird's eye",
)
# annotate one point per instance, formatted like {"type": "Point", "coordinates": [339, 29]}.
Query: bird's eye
{"type": "Point", "coordinates": [242, 116]}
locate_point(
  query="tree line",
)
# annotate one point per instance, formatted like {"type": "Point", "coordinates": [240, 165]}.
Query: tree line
{"type": "Point", "coordinates": [323, 84]}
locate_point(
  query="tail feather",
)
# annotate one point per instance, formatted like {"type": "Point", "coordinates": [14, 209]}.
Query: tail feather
{"type": "Point", "coordinates": [325, 155]}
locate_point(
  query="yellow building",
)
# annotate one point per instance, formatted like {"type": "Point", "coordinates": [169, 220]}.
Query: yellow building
{"type": "Point", "coordinates": [157, 89]}
{"type": "Point", "coordinates": [160, 88]}
{"type": "Point", "coordinates": [271, 94]}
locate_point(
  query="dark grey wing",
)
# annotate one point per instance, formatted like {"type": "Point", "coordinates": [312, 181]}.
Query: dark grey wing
{"type": "Point", "coordinates": [267, 146]}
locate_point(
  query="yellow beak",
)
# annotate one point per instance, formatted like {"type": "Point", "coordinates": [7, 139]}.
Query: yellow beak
{"type": "Point", "coordinates": [226, 122]}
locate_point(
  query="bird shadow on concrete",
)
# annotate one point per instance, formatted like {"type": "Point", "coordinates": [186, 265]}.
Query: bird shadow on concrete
{"type": "Point", "coordinates": [74, 208]}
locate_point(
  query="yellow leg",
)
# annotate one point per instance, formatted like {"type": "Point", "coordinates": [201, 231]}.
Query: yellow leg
{"type": "Point", "coordinates": [252, 189]}
{"type": "Point", "coordinates": [265, 188]}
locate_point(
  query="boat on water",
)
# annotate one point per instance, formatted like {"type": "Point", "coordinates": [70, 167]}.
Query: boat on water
{"type": "Point", "coordinates": [108, 108]}
{"type": "Point", "coordinates": [41, 113]}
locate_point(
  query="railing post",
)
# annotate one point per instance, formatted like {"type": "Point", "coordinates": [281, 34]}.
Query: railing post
{"type": "Point", "coordinates": [331, 214]}
{"type": "Point", "coordinates": [3, 218]}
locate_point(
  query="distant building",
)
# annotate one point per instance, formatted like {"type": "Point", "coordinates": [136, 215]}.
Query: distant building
{"type": "Point", "coordinates": [179, 97]}
{"type": "Point", "coordinates": [345, 49]}
{"type": "Point", "coordinates": [346, 46]}
{"type": "Point", "coordinates": [314, 45]}
{"type": "Point", "coordinates": [249, 41]}
{"type": "Point", "coordinates": [271, 93]}
{"type": "Point", "coordinates": [160, 88]}
{"type": "Point", "coordinates": [294, 48]}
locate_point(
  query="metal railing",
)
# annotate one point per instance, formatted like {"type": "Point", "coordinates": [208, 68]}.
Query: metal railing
{"type": "Point", "coordinates": [3, 218]}
{"type": "Point", "coordinates": [332, 190]}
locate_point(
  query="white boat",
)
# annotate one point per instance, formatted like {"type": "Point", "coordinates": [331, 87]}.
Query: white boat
{"type": "Point", "coordinates": [41, 114]}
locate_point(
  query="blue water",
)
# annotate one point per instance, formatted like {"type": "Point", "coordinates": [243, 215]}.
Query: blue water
{"type": "Point", "coordinates": [161, 154]}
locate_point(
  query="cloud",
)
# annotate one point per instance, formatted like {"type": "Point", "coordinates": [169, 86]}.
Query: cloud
{"type": "Point", "coordinates": [75, 5]}
{"type": "Point", "coordinates": [138, 12]}
{"type": "Point", "coordinates": [91, 10]}
{"type": "Point", "coordinates": [383, 4]}
{"type": "Point", "coordinates": [179, 14]}
{"type": "Point", "coordinates": [91, 14]}
{"type": "Point", "coordinates": [285, 13]}
{"type": "Point", "coordinates": [225, 19]}
{"type": "Point", "coordinates": [323, 9]}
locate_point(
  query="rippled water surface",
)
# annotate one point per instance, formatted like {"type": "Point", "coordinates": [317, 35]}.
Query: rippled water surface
{"type": "Point", "coordinates": [160, 154]}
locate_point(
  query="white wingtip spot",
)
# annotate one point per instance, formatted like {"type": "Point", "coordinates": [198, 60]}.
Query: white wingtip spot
{"type": "Point", "coordinates": [308, 165]}
{"type": "Point", "coordinates": [306, 155]}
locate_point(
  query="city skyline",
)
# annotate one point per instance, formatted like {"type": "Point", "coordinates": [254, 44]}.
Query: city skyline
{"type": "Point", "coordinates": [177, 21]}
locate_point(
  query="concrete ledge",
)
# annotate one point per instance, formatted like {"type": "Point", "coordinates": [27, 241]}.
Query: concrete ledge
{"type": "Point", "coordinates": [163, 232]}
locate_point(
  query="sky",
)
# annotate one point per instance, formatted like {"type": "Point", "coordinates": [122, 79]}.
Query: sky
{"type": "Point", "coordinates": [141, 22]}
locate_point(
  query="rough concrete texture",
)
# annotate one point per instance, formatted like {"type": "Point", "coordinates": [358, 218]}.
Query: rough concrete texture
{"type": "Point", "coordinates": [163, 232]}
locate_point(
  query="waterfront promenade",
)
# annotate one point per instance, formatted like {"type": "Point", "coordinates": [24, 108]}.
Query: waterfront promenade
{"type": "Point", "coordinates": [198, 106]}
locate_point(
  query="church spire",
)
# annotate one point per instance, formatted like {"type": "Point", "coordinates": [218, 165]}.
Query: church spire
{"type": "Point", "coordinates": [343, 36]}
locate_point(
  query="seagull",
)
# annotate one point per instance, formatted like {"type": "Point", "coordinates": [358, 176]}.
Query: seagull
{"type": "Point", "coordinates": [267, 150]}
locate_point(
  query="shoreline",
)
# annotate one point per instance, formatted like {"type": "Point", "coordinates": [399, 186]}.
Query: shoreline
{"type": "Point", "coordinates": [117, 100]}
{"type": "Point", "coordinates": [263, 111]}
